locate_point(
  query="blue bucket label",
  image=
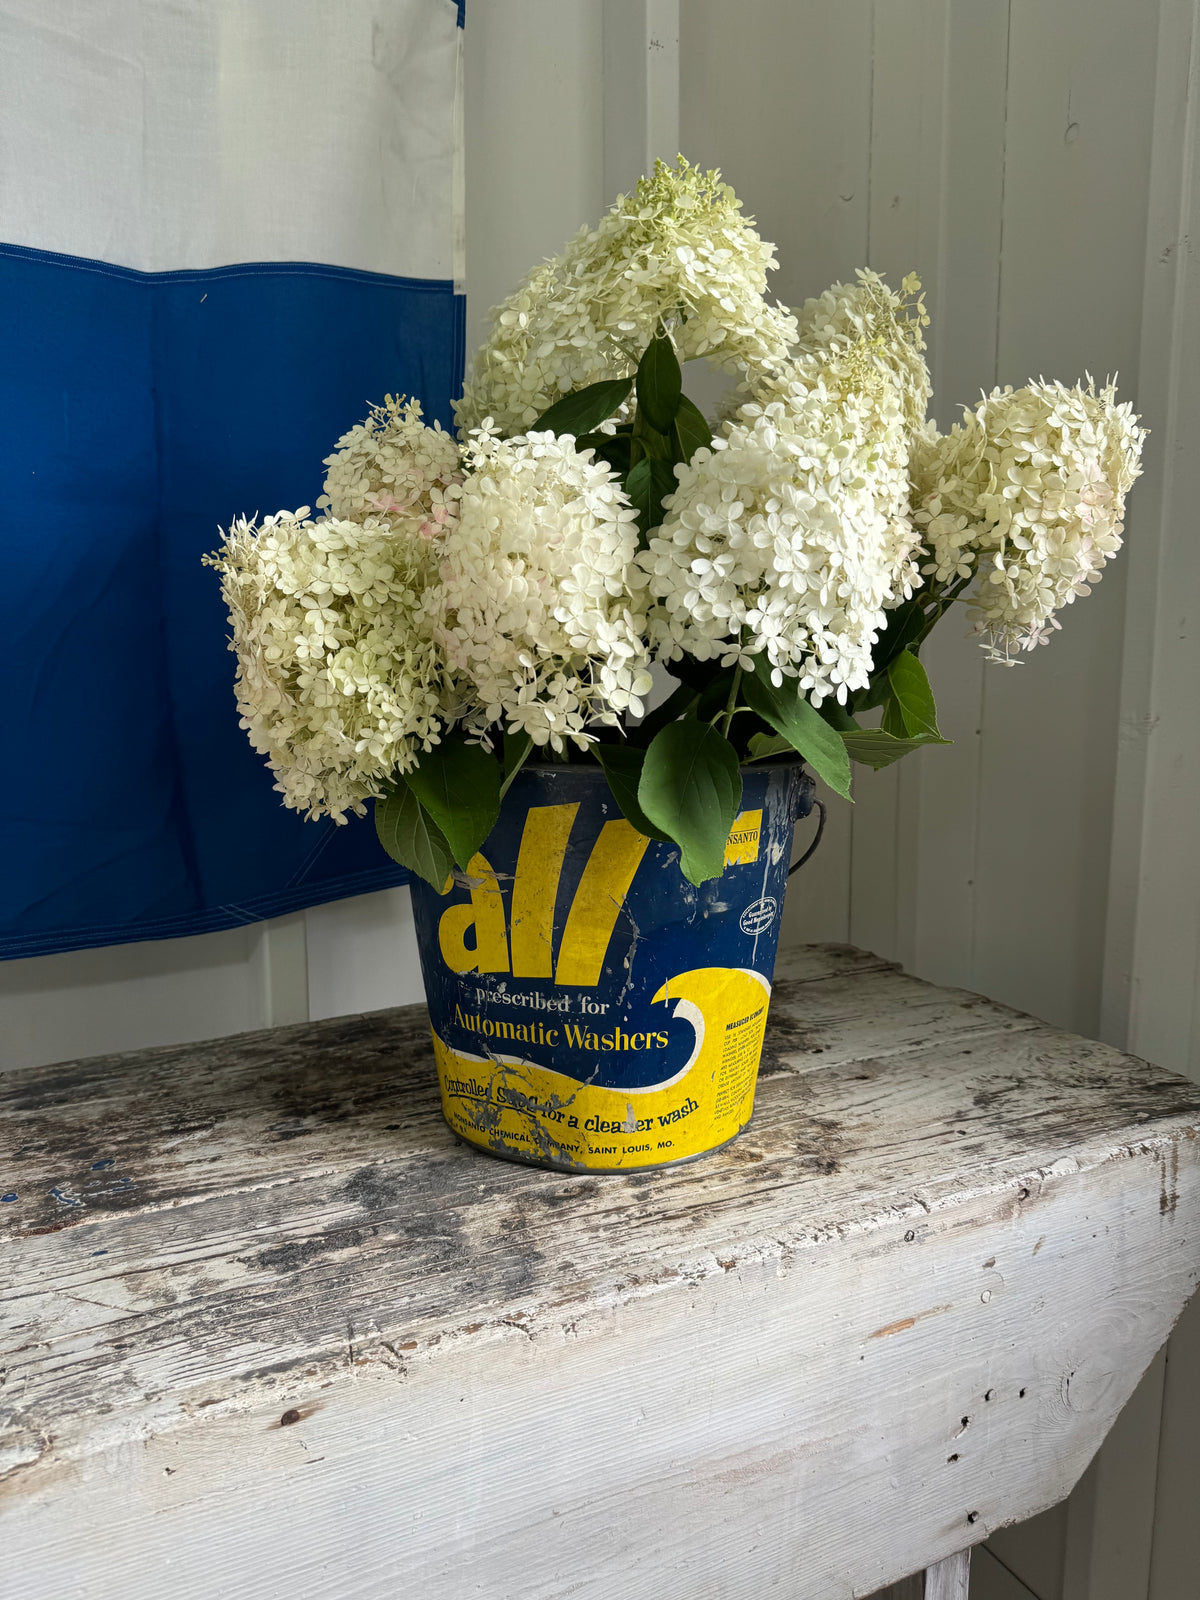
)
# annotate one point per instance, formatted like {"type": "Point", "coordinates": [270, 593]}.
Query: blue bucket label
{"type": "Point", "coordinates": [590, 1008]}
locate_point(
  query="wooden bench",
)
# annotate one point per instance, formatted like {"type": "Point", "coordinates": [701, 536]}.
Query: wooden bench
{"type": "Point", "coordinates": [270, 1330]}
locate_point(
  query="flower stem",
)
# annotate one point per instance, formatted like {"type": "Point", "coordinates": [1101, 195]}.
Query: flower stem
{"type": "Point", "coordinates": [731, 703]}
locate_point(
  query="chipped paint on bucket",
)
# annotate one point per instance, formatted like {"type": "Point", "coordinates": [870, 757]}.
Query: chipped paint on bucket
{"type": "Point", "coordinates": [591, 1009]}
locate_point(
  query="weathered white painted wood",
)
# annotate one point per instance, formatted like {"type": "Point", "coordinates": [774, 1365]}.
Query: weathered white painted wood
{"type": "Point", "coordinates": [950, 1579]}
{"type": "Point", "coordinates": [257, 1287]}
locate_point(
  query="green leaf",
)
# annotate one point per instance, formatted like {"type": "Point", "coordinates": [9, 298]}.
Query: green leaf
{"type": "Point", "coordinates": [659, 383]}
{"type": "Point", "coordinates": [584, 409]}
{"type": "Point", "coordinates": [410, 836]}
{"type": "Point", "coordinates": [459, 785]}
{"type": "Point", "coordinates": [913, 698]}
{"type": "Point", "coordinates": [789, 713]}
{"type": "Point", "coordinates": [615, 448]}
{"type": "Point", "coordinates": [647, 484]}
{"type": "Point", "coordinates": [691, 788]}
{"type": "Point", "coordinates": [692, 431]}
{"type": "Point", "coordinates": [763, 746]}
{"type": "Point", "coordinates": [622, 765]}
{"type": "Point", "coordinates": [647, 441]}
{"type": "Point", "coordinates": [872, 747]}
{"type": "Point", "coordinates": [892, 720]}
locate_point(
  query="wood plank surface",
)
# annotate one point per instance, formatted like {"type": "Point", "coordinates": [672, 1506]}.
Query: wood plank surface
{"type": "Point", "coordinates": [258, 1286]}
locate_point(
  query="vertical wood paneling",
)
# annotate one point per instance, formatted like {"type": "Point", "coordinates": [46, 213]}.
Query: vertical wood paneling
{"type": "Point", "coordinates": [362, 955]}
{"type": "Point", "coordinates": [964, 297]}
{"type": "Point", "coordinates": [778, 95]}
{"type": "Point", "coordinates": [1175, 1552]}
{"type": "Point", "coordinates": [909, 44]}
{"type": "Point", "coordinates": [991, 1580]}
{"type": "Point", "coordinates": [169, 991]}
{"type": "Point", "coordinates": [1152, 963]}
{"type": "Point", "coordinates": [1074, 219]}
{"type": "Point", "coordinates": [1154, 932]}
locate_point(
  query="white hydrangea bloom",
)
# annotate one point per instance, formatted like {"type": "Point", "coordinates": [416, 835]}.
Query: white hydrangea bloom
{"type": "Point", "coordinates": [1029, 492]}
{"type": "Point", "coordinates": [677, 250]}
{"type": "Point", "coordinates": [536, 613]}
{"type": "Point", "coordinates": [873, 324]}
{"type": "Point", "coordinates": [338, 676]}
{"type": "Point", "coordinates": [393, 469]}
{"type": "Point", "coordinates": [791, 536]}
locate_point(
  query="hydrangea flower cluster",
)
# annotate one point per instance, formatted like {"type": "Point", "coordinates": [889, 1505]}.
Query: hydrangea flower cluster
{"type": "Point", "coordinates": [1028, 492]}
{"type": "Point", "coordinates": [395, 470]}
{"type": "Point", "coordinates": [538, 609]}
{"type": "Point", "coordinates": [791, 536]}
{"type": "Point", "coordinates": [339, 680]}
{"type": "Point", "coordinates": [872, 326]}
{"type": "Point", "coordinates": [676, 251]}
{"type": "Point", "coordinates": [510, 583]}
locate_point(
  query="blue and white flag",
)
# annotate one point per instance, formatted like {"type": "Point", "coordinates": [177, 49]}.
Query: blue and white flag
{"type": "Point", "coordinates": [227, 227]}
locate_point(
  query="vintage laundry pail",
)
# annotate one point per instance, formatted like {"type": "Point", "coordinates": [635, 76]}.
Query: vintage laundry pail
{"type": "Point", "coordinates": [591, 1009]}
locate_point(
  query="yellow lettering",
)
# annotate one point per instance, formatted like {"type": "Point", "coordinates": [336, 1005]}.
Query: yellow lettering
{"type": "Point", "coordinates": [484, 913]}
{"type": "Point", "coordinates": [615, 858]}
{"type": "Point", "coordinates": [535, 888]}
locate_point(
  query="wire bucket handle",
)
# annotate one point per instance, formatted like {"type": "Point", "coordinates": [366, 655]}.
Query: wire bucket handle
{"type": "Point", "coordinates": [818, 805]}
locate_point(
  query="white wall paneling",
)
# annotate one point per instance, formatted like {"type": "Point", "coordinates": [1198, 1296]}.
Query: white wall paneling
{"type": "Point", "coordinates": [90, 1002]}
{"type": "Point", "coordinates": [641, 89]}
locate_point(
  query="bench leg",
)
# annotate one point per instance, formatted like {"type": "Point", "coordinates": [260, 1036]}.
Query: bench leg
{"type": "Point", "coordinates": [949, 1579]}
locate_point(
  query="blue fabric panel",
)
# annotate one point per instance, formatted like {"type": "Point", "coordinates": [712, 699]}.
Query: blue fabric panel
{"type": "Point", "coordinates": [138, 413]}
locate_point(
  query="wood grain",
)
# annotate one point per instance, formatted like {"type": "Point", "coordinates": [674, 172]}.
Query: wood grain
{"type": "Point", "coordinates": [256, 1285]}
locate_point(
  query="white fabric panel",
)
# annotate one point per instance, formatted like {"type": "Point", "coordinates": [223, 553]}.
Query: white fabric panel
{"type": "Point", "coordinates": [167, 134]}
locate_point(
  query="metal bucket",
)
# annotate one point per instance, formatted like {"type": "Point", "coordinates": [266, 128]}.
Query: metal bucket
{"type": "Point", "coordinates": [592, 1011]}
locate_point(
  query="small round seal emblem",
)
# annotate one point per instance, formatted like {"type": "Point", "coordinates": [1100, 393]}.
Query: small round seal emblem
{"type": "Point", "coordinates": [758, 917]}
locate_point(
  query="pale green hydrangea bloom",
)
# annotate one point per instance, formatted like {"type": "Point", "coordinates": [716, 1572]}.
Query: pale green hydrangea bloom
{"type": "Point", "coordinates": [1027, 491]}
{"type": "Point", "coordinates": [792, 535]}
{"type": "Point", "coordinates": [339, 680]}
{"type": "Point", "coordinates": [393, 469]}
{"type": "Point", "coordinates": [874, 325]}
{"type": "Point", "coordinates": [537, 609]}
{"type": "Point", "coordinates": [677, 250]}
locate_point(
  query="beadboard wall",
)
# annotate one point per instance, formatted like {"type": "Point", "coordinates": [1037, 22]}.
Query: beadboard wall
{"type": "Point", "coordinates": [1036, 162]}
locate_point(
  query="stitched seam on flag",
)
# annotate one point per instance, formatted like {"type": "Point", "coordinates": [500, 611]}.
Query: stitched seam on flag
{"type": "Point", "coordinates": [301, 871]}
{"type": "Point", "coordinates": [242, 269]}
{"type": "Point", "coordinates": [216, 920]}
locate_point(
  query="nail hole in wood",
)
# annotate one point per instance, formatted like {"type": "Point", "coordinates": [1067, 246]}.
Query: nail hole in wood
{"type": "Point", "coordinates": [909, 1236]}
{"type": "Point", "coordinates": [972, 1516]}
{"type": "Point", "coordinates": [1020, 1394]}
{"type": "Point", "coordinates": [289, 1417]}
{"type": "Point", "coordinates": [954, 1457]}
{"type": "Point", "coordinates": [989, 1394]}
